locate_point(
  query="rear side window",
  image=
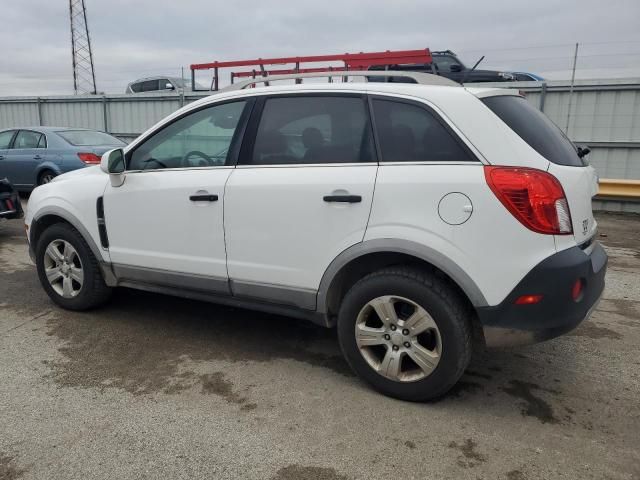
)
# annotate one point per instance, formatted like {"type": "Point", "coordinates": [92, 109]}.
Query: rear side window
{"type": "Point", "coordinates": [409, 133]}
{"type": "Point", "coordinates": [535, 128]}
{"type": "Point", "coordinates": [27, 139]}
{"type": "Point", "coordinates": [305, 129]}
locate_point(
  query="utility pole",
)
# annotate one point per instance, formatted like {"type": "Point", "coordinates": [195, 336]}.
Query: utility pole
{"type": "Point", "coordinates": [573, 80]}
{"type": "Point", "coordinates": [84, 77]}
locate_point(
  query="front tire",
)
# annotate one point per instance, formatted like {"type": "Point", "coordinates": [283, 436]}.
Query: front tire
{"type": "Point", "coordinates": [68, 270]}
{"type": "Point", "coordinates": [406, 332]}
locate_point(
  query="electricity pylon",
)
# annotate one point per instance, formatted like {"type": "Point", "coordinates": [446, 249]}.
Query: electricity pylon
{"type": "Point", "coordinates": [84, 77]}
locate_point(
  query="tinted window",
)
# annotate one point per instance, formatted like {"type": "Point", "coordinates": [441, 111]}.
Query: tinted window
{"type": "Point", "coordinates": [535, 128]}
{"type": "Point", "coordinates": [201, 139]}
{"type": "Point", "coordinates": [297, 130]}
{"type": "Point", "coordinates": [89, 138]}
{"type": "Point", "coordinates": [149, 86]}
{"type": "Point", "coordinates": [409, 133]}
{"type": "Point", "coordinates": [27, 139]}
{"type": "Point", "coordinates": [444, 62]}
{"type": "Point", "coordinates": [136, 87]}
{"type": "Point", "coordinates": [5, 138]}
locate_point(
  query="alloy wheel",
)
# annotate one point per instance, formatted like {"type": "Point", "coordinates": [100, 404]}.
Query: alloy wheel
{"type": "Point", "coordinates": [63, 268]}
{"type": "Point", "coordinates": [398, 338]}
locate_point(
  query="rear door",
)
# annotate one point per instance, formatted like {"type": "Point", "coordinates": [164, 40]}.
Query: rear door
{"type": "Point", "coordinates": [301, 194]}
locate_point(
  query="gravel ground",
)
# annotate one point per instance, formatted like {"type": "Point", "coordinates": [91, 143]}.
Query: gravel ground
{"type": "Point", "coordinates": [158, 387]}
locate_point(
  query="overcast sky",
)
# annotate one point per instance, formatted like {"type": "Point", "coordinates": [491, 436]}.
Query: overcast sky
{"type": "Point", "coordinates": [133, 39]}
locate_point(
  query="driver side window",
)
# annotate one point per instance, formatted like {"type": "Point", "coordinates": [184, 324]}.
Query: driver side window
{"type": "Point", "coordinates": [201, 139]}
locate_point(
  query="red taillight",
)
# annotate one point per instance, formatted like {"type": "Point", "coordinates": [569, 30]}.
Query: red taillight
{"type": "Point", "coordinates": [528, 299]}
{"type": "Point", "coordinates": [576, 290]}
{"type": "Point", "coordinates": [534, 197]}
{"type": "Point", "coordinates": [89, 158]}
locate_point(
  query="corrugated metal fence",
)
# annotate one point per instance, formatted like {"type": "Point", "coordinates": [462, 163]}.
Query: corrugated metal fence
{"type": "Point", "coordinates": [602, 114]}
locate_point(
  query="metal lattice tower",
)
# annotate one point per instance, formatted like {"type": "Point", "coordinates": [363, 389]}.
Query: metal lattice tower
{"type": "Point", "coordinates": [84, 77]}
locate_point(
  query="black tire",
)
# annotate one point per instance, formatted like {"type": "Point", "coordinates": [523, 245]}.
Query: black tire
{"type": "Point", "coordinates": [94, 291]}
{"type": "Point", "coordinates": [44, 175]}
{"type": "Point", "coordinates": [443, 303]}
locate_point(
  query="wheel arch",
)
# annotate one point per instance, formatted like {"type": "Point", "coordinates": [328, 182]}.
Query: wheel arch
{"type": "Point", "coordinates": [52, 215]}
{"type": "Point", "coordinates": [44, 166]}
{"type": "Point", "coordinates": [366, 257]}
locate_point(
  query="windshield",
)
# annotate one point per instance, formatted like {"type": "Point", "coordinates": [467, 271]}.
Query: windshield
{"type": "Point", "coordinates": [535, 128]}
{"type": "Point", "coordinates": [89, 138]}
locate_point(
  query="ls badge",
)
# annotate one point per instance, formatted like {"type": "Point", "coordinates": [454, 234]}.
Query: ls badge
{"type": "Point", "coordinates": [585, 226]}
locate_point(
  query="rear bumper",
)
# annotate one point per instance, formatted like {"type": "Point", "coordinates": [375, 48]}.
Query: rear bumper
{"type": "Point", "coordinates": [510, 324]}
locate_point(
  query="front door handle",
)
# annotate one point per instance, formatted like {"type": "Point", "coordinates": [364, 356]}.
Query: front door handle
{"type": "Point", "coordinates": [37, 157]}
{"type": "Point", "coordinates": [203, 198]}
{"type": "Point", "coordinates": [342, 198]}
{"type": "Point", "coordinates": [1, 157]}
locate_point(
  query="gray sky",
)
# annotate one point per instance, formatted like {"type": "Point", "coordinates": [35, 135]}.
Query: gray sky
{"type": "Point", "coordinates": [132, 39]}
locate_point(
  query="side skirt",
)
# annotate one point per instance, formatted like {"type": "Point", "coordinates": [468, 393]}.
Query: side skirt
{"type": "Point", "coordinates": [284, 310]}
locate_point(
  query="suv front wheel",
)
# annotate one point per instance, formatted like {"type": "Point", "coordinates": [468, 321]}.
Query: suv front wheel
{"type": "Point", "coordinates": [406, 332]}
{"type": "Point", "coordinates": [68, 270]}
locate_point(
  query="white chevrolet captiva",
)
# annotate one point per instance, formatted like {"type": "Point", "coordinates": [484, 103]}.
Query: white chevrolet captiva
{"type": "Point", "coordinates": [421, 220]}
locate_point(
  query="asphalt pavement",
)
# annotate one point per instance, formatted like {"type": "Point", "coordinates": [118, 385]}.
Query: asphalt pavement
{"type": "Point", "coordinates": [152, 386]}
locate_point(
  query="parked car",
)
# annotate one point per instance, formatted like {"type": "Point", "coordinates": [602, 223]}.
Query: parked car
{"type": "Point", "coordinates": [10, 206]}
{"type": "Point", "coordinates": [447, 64]}
{"type": "Point", "coordinates": [526, 77]}
{"type": "Point", "coordinates": [33, 156]}
{"type": "Point", "coordinates": [156, 84]}
{"type": "Point", "coordinates": [417, 219]}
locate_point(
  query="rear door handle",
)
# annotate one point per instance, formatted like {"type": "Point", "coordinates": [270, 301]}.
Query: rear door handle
{"type": "Point", "coordinates": [37, 157]}
{"type": "Point", "coordinates": [204, 198]}
{"type": "Point", "coordinates": [342, 198]}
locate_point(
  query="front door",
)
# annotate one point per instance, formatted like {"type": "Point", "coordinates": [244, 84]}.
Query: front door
{"type": "Point", "coordinates": [22, 159]}
{"type": "Point", "coordinates": [301, 195]}
{"type": "Point", "coordinates": [165, 222]}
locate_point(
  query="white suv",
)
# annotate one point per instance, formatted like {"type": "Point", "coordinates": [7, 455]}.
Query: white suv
{"type": "Point", "coordinates": [415, 218]}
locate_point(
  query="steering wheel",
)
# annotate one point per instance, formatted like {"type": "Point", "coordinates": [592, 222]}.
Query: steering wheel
{"type": "Point", "coordinates": [205, 160]}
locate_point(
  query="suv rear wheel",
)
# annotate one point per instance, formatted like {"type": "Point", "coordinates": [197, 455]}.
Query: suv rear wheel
{"type": "Point", "coordinates": [68, 270]}
{"type": "Point", "coordinates": [406, 332]}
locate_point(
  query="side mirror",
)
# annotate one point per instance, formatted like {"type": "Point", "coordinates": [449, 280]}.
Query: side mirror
{"type": "Point", "coordinates": [455, 68]}
{"type": "Point", "coordinates": [169, 86]}
{"type": "Point", "coordinates": [112, 162]}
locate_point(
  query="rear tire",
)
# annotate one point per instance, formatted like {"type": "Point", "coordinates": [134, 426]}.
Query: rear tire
{"type": "Point", "coordinates": [68, 270]}
{"type": "Point", "coordinates": [427, 321]}
{"type": "Point", "coordinates": [46, 176]}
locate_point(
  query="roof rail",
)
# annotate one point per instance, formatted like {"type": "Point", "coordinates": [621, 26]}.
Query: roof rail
{"type": "Point", "coordinates": [417, 77]}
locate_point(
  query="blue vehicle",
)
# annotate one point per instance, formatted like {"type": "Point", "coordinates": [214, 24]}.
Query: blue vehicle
{"type": "Point", "coordinates": [526, 77]}
{"type": "Point", "coordinates": [33, 156]}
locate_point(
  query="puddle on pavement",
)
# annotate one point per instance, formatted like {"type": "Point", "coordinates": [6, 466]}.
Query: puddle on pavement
{"type": "Point", "coordinates": [298, 472]}
{"type": "Point", "coordinates": [470, 456]}
{"type": "Point", "coordinates": [141, 342]}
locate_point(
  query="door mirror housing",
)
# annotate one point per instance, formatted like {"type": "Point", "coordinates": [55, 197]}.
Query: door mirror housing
{"type": "Point", "coordinates": [169, 86]}
{"type": "Point", "coordinates": [112, 162]}
{"type": "Point", "coordinates": [455, 68]}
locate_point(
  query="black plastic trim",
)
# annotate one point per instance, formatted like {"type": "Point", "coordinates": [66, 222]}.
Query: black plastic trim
{"type": "Point", "coordinates": [102, 227]}
{"type": "Point", "coordinates": [553, 278]}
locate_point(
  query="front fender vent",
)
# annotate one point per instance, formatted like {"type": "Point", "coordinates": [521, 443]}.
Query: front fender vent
{"type": "Point", "coordinates": [102, 228]}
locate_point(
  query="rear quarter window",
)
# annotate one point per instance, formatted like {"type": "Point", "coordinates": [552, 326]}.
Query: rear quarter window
{"type": "Point", "coordinates": [535, 128]}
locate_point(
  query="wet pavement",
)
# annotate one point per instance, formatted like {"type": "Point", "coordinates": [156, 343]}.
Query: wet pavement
{"type": "Point", "coordinates": [152, 386]}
